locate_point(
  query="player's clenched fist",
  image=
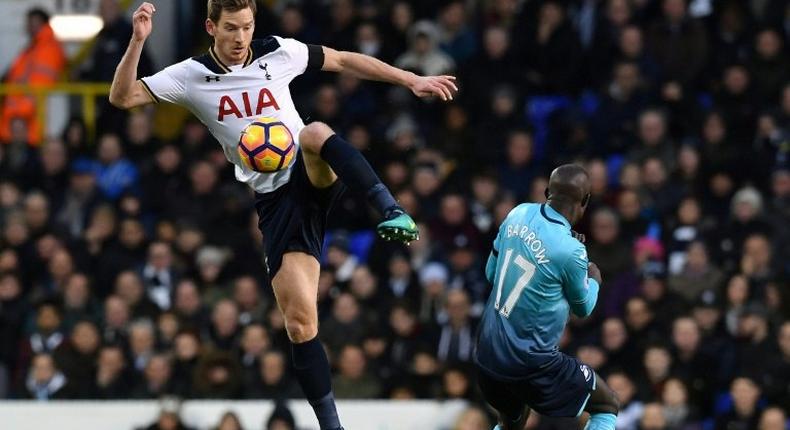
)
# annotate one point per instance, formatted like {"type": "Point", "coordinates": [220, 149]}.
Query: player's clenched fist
{"type": "Point", "coordinates": [142, 21]}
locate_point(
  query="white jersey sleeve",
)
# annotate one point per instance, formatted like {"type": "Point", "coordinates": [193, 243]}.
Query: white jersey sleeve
{"type": "Point", "coordinates": [169, 84]}
{"type": "Point", "coordinates": [297, 54]}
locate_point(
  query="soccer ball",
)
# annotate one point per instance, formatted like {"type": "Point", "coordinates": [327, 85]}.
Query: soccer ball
{"type": "Point", "coordinates": [266, 145]}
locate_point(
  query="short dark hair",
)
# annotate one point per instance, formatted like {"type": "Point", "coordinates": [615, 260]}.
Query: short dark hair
{"type": "Point", "coordinates": [215, 7]}
{"type": "Point", "coordinates": [38, 13]}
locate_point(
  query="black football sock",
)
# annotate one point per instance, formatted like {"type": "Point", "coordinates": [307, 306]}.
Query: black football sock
{"type": "Point", "coordinates": [355, 171]}
{"type": "Point", "coordinates": [314, 375]}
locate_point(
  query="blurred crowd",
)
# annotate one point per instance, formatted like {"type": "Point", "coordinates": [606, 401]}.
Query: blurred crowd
{"type": "Point", "coordinates": [130, 266]}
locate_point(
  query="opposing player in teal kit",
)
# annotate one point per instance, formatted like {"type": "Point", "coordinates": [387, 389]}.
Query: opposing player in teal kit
{"type": "Point", "coordinates": [539, 271]}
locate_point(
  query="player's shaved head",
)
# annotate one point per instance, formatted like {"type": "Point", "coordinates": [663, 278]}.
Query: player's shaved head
{"type": "Point", "coordinates": [569, 184]}
{"type": "Point", "coordinates": [568, 191]}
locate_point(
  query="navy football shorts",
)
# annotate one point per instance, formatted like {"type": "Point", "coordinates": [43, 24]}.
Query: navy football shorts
{"type": "Point", "coordinates": [559, 389]}
{"type": "Point", "coordinates": [293, 217]}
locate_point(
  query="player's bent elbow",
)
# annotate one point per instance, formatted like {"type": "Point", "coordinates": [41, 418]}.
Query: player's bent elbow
{"type": "Point", "coordinates": [116, 101]}
{"type": "Point", "coordinates": [581, 310]}
{"type": "Point", "coordinates": [120, 102]}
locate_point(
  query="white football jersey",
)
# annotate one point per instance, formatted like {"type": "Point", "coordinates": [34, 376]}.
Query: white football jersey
{"type": "Point", "coordinates": [227, 98]}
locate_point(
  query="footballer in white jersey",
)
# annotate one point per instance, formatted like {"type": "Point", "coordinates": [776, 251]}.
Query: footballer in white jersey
{"type": "Point", "coordinates": [226, 98]}
{"type": "Point", "coordinates": [239, 79]}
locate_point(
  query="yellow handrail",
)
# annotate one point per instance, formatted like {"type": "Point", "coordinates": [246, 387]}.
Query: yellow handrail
{"type": "Point", "coordinates": [88, 91]}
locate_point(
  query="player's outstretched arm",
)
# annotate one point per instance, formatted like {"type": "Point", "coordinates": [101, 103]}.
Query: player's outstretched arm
{"type": "Point", "coordinates": [367, 67]}
{"type": "Point", "coordinates": [126, 91]}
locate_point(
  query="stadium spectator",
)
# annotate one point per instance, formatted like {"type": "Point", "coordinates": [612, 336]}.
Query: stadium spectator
{"type": "Point", "coordinates": [745, 411]}
{"type": "Point", "coordinates": [40, 63]}
{"type": "Point", "coordinates": [456, 333]}
{"type": "Point", "coordinates": [169, 417]}
{"type": "Point", "coordinates": [631, 408]}
{"type": "Point", "coordinates": [108, 46]}
{"type": "Point", "coordinates": [45, 381]}
{"type": "Point", "coordinates": [229, 421]}
{"type": "Point", "coordinates": [272, 380]}
{"type": "Point", "coordinates": [159, 274]}
{"type": "Point", "coordinates": [281, 418]}
{"type": "Point", "coordinates": [353, 380]}
{"type": "Point", "coordinates": [77, 359]}
{"type": "Point", "coordinates": [773, 418]}
{"type": "Point", "coordinates": [424, 56]}
{"type": "Point", "coordinates": [217, 376]}
{"type": "Point", "coordinates": [112, 377]}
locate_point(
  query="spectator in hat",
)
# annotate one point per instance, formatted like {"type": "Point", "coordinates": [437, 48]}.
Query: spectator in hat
{"type": "Point", "coordinates": [665, 304]}
{"type": "Point", "coordinates": [746, 208]}
{"type": "Point", "coordinates": [80, 198]}
{"type": "Point", "coordinates": [707, 312]}
{"type": "Point", "coordinates": [433, 279]}
{"type": "Point", "coordinates": [210, 263]}
{"type": "Point", "coordinates": [424, 56]}
{"type": "Point", "coordinates": [340, 258]}
{"type": "Point", "coordinates": [753, 346]}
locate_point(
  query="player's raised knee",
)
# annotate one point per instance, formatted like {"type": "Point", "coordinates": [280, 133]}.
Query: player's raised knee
{"type": "Point", "coordinates": [313, 136]}
{"type": "Point", "coordinates": [300, 327]}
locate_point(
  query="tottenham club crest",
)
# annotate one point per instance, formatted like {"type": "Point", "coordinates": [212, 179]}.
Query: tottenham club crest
{"type": "Point", "coordinates": [264, 66]}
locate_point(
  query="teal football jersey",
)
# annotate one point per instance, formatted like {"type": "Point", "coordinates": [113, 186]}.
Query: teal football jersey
{"type": "Point", "coordinates": [538, 272]}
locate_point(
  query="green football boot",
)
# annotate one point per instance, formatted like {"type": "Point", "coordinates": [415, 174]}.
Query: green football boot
{"type": "Point", "coordinates": [398, 226]}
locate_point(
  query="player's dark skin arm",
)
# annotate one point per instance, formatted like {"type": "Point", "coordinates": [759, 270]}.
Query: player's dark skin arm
{"type": "Point", "coordinates": [369, 68]}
